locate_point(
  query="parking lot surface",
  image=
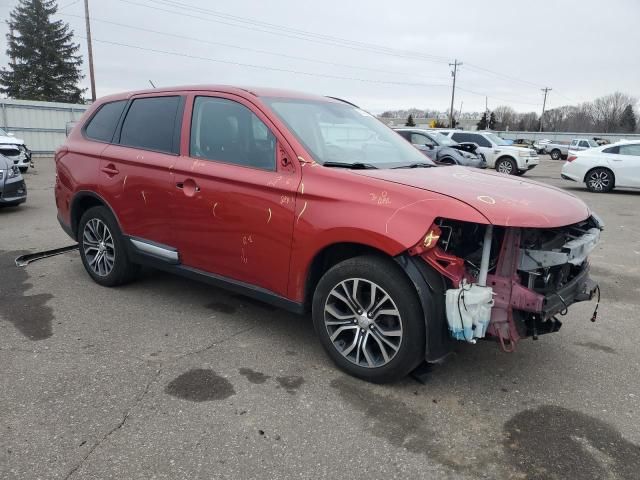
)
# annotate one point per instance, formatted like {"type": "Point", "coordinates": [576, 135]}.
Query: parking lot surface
{"type": "Point", "coordinates": [168, 378]}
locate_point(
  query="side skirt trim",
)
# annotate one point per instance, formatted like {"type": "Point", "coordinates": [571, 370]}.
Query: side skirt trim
{"type": "Point", "coordinates": [161, 263]}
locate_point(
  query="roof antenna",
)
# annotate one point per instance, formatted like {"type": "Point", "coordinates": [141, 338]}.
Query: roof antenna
{"type": "Point", "coordinates": [152, 84]}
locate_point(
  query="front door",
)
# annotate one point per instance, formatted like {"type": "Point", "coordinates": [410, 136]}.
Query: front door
{"type": "Point", "coordinates": [234, 192]}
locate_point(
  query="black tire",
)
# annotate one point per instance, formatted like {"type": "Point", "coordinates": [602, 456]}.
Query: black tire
{"type": "Point", "coordinates": [388, 276]}
{"type": "Point", "coordinates": [507, 166]}
{"type": "Point", "coordinates": [447, 161]}
{"type": "Point", "coordinates": [555, 154]}
{"type": "Point", "coordinates": [600, 180]}
{"type": "Point", "coordinates": [122, 270]}
{"type": "Point", "coordinates": [23, 169]}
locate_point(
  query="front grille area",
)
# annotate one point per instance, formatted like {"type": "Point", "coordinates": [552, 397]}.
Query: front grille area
{"type": "Point", "coordinates": [14, 189]}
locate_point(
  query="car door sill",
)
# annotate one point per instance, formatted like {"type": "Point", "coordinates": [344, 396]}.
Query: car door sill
{"type": "Point", "coordinates": [150, 258]}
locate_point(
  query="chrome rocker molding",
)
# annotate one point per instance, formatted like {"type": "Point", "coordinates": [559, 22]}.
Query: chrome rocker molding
{"type": "Point", "coordinates": [163, 257]}
{"type": "Point", "coordinates": [163, 252]}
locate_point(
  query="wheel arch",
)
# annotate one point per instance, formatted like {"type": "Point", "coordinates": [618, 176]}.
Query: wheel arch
{"type": "Point", "coordinates": [600, 167]}
{"type": "Point", "coordinates": [83, 201]}
{"type": "Point", "coordinates": [331, 255]}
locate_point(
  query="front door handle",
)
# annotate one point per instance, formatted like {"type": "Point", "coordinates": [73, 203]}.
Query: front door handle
{"type": "Point", "coordinates": [189, 187]}
{"type": "Point", "coordinates": [110, 170]}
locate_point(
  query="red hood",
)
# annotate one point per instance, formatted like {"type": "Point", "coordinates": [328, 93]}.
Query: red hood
{"type": "Point", "coordinates": [503, 200]}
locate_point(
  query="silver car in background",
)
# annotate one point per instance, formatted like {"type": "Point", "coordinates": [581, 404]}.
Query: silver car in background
{"type": "Point", "coordinates": [13, 190]}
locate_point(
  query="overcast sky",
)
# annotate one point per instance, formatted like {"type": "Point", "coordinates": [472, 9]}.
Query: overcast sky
{"type": "Point", "coordinates": [580, 48]}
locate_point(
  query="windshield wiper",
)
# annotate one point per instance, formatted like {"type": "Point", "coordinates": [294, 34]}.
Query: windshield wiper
{"type": "Point", "coordinates": [417, 165]}
{"type": "Point", "coordinates": [354, 165]}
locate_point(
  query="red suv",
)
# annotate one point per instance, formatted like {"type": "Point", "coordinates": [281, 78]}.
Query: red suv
{"type": "Point", "coordinates": [312, 204]}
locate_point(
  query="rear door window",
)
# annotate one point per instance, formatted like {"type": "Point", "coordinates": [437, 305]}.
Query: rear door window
{"type": "Point", "coordinates": [633, 149]}
{"type": "Point", "coordinates": [153, 124]}
{"type": "Point", "coordinates": [103, 124]}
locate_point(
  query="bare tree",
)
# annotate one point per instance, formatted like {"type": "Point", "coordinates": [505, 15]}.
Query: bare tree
{"type": "Point", "coordinates": [506, 117]}
{"type": "Point", "coordinates": [606, 112]}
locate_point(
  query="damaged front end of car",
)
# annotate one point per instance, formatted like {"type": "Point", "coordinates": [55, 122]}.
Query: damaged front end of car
{"type": "Point", "coordinates": [509, 283]}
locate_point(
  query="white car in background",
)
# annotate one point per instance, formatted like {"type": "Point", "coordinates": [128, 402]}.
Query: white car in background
{"type": "Point", "coordinates": [15, 150]}
{"type": "Point", "coordinates": [498, 154]}
{"type": "Point", "coordinates": [603, 168]}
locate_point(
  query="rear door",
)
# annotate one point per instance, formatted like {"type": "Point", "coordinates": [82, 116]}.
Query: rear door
{"type": "Point", "coordinates": [235, 191]}
{"type": "Point", "coordinates": [135, 169]}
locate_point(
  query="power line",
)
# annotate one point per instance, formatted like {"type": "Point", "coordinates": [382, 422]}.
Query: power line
{"type": "Point", "coordinates": [297, 36]}
{"type": "Point", "coordinates": [377, 48]}
{"type": "Point", "coordinates": [498, 74]}
{"type": "Point", "coordinates": [267, 67]}
{"type": "Point", "coordinates": [249, 49]}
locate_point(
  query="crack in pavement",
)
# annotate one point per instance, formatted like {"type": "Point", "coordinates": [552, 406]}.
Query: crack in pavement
{"type": "Point", "coordinates": [216, 343]}
{"type": "Point", "coordinates": [145, 391]}
{"type": "Point", "coordinates": [120, 424]}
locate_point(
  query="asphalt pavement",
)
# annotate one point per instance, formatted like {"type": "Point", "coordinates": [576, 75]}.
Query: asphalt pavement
{"type": "Point", "coordinates": [167, 378]}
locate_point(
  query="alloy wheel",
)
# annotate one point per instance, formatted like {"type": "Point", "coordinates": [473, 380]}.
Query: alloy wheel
{"type": "Point", "coordinates": [599, 180]}
{"type": "Point", "coordinates": [99, 249]}
{"type": "Point", "coordinates": [363, 322]}
{"type": "Point", "coordinates": [505, 167]}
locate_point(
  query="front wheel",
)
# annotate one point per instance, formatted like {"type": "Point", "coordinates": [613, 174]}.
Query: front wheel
{"type": "Point", "coordinates": [600, 180]}
{"type": "Point", "coordinates": [369, 319]}
{"type": "Point", "coordinates": [507, 165]}
{"type": "Point", "coordinates": [23, 169]}
{"type": "Point", "coordinates": [555, 154]}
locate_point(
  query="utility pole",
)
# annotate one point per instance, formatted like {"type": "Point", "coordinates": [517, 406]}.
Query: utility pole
{"type": "Point", "coordinates": [544, 104]}
{"type": "Point", "coordinates": [455, 65]}
{"type": "Point", "coordinates": [92, 76]}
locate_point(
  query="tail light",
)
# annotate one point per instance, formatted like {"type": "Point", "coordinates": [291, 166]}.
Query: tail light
{"type": "Point", "coordinates": [571, 158]}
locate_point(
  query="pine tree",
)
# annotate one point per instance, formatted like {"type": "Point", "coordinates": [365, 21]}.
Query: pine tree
{"type": "Point", "coordinates": [482, 124]}
{"type": "Point", "coordinates": [492, 121]}
{"type": "Point", "coordinates": [43, 64]}
{"type": "Point", "coordinates": [628, 121]}
{"type": "Point", "coordinates": [410, 122]}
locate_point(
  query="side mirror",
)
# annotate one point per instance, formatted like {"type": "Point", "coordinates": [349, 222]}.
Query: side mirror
{"type": "Point", "coordinates": [430, 146]}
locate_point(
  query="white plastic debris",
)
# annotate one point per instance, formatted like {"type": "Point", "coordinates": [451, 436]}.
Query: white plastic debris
{"type": "Point", "coordinates": [469, 311]}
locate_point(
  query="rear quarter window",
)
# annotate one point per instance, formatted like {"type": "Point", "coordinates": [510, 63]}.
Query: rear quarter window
{"type": "Point", "coordinates": [153, 124]}
{"type": "Point", "coordinates": [102, 125]}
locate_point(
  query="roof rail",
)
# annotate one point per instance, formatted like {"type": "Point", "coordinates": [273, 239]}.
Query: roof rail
{"type": "Point", "coordinates": [343, 101]}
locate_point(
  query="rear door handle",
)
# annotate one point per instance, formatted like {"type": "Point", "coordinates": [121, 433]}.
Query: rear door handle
{"type": "Point", "coordinates": [189, 187]}
{"type": "Point", "coordinates": [110, 169]}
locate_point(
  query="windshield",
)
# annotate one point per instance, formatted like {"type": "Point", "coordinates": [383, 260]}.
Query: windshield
{"type": "Point", "coordinates": [442, 139]}
{"type": "Point", "coordinates": [593, 143]}
{"type": "Point", "coordinates": [3, 133]}
{"type": "Point", "coordinates": [342, 133]}
{"type": "Point", "coordinates": [496, 139]}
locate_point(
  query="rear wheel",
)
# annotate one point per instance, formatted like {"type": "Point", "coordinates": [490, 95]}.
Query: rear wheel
{"type": "Point", "coordinates": [102, 248]}
{"type": "Point", "coordinates": [600, 180]}
{"type": "Point", "coordinates": [369, 319]}
{"type": "Point", "coordinates": [555, 154]}
{"type": "Point", "coordinates": [506, 165]}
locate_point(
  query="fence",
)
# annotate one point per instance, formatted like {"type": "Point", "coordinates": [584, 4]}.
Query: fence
{"type": "Point", "coordinates": [42, 125]}
{"type": "Point", "coordinates": [567, 136]}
